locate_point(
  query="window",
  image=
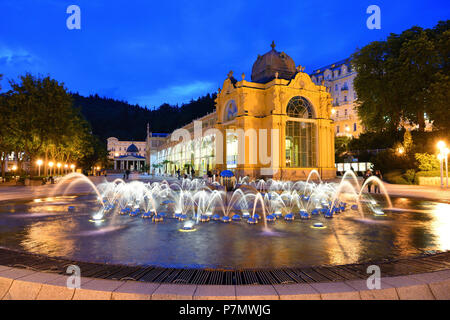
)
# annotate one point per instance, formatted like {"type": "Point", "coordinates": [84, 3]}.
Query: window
{"type": "Point", "coordinates": [300, 144]}
{"type": "Point", "coordinates": [300, 136]}
{"type": "Point", "coordinates": [337, 129]}
{"type": "Point", "coordinates": [335, 87]}
{"type": "Point", "coordinates": [354, 127]}
{"type": "Point", "coordinates": [337, 113]}
{"type": "Point", "coordinates": [299, 107]}
{"type": "Point", "coordinates": [345, 98]}
{"type": "Point", "coordinates": [345, 112]}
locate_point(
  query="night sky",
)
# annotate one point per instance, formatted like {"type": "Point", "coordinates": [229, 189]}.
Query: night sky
{"type": "Point", "coordinates": [151, 52]}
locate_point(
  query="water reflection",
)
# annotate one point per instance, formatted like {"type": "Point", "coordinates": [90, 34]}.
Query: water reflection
{"type": "Point", "coordinates": [415, 227]}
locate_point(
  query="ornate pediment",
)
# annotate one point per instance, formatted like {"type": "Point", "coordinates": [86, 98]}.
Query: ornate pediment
{"type": "Point", "coordinates": [302, 80]}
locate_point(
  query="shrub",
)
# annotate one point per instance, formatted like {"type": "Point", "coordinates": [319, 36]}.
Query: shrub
{"type": "Point", "coordinates": [395, 177]}
{"type": "Point", "coordinates": [427, 162]}
{"type": "Point", "coordinates": [434, 173]}
{"type": "Point", "coordinates": [409, 176]}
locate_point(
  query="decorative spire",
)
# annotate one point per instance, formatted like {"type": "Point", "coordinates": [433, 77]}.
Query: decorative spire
{"type": "Point", "coordinates": [230, 74]}
{"type": "Point", "coordinates": [273, 45]}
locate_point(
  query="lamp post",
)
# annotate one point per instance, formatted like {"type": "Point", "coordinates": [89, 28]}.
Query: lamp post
{"type": "Point", "coordinates": [66, 166]}
{"type": "Point", "coordinates": [59, 168]}
{"type": "Point", "coordinates": [441, 155]}
{"type": "Point", "coordinates": [72, 166]}
{"type": "Point", "coordinates": [39, 163]}
{"type": "Point", "coordinates": [50, 165]}
{"type": "Point", "coordinates": [446, 152]}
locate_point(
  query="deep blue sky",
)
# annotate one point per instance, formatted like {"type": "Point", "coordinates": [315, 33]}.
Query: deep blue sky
{"type": "Point", "coordinates": [150, 52]}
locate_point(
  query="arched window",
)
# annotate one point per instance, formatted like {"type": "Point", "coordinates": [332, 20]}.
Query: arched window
{"type": "Point", "coordinates": [299, 107]}
{"type": "Point", "coordinates": [230, 111]}
{"type": "Point", "coordinates": [301, 142]}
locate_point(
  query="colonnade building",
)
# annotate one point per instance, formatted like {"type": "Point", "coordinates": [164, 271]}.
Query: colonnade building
{"type": "Point", "coordinates": [277, 125]}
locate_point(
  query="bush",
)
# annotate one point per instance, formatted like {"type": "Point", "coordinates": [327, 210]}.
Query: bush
{"type": "Point", "coordinates": [388, 160]}
{"type": "Point", "coordinates": [434, 173]}
{"type": "Point", "coordinates": [427, 162]}
{"type": "Point", "coordinates": [409, 176]}
{"type": "Point", "coordinates": [397, 177]}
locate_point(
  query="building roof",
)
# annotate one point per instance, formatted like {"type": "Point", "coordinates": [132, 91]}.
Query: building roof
{"type": "Point", "coordinates": [159, 135]}
{"type": "Point", "coordinates": [132, 148]}
{"type": "Point", "coordinates": [272, 62]}
{"type": "Point", "coordinates": [129, 156]}
{"type": "Point", "coordinates": [333, 66]}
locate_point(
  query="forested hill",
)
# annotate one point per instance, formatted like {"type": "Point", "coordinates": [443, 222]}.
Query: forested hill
{"type": "Point", "coordinates": [113, 118]}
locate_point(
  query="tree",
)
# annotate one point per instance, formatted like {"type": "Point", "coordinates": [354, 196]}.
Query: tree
{"type": "Point", "coordinates": [40, 121]}
{"type": "Point", "coordinates": [404, 78]}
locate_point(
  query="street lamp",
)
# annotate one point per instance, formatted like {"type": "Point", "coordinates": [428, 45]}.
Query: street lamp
{"type": "Point", "coordinates": [442, 154]}
{"type": "Point", "coordinates": [446, 152]}
{"type": "Point", "coordinates": [59, 168]}
{"type": "Point", "coordinates": [14, 168]}
{"type": "Point", "coordinates": [39, 163]}
{"type": "Point", "coordinates": [72, 166]}
{"type": "Point", "coordinates": [50, 164]}
{"type": "Point", "coordinates": [66, 166]}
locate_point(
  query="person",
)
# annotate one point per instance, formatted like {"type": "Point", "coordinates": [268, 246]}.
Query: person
{"type": "Point", "coordinates": [210, 176]}
{"type": "Point", "coordinates": [367, 175]}
{"type": "Point", "coordinates": [377, 186]}
{"type": "Point", "coordinates": [192, 173]}
{"type": "Point", "coordinates": [179, 173]}
{"type": "Point", "coordinates": [127, 173]}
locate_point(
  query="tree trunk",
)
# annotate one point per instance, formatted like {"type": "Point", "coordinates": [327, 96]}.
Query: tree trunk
{"type": "Point", "coordinates": [421, 120]}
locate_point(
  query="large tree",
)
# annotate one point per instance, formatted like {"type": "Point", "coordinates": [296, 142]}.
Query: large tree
{"type": "Point", "coordinates": [39, 120]}
{"type": "Point", "coordinates": [403, 78]}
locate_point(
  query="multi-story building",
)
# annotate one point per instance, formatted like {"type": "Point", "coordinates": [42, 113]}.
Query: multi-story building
{"type": "Point", "coordinates": [133, 155]}
{"type": "Point", "coordinates": [338, 78]}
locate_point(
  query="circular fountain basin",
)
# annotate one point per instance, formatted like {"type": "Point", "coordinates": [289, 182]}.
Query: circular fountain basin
{"type": "Point", "coordinates": [45, 227]}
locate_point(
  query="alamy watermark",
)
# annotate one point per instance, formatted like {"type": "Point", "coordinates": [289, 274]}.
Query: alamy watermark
{"type": "Point", "coordinates": [263, 145]}
{"type": "Point", "coordinates": [73, 281]}
{"type": "Point", "coordinates": [74, 20]}
{"type": "Point", "coordinates": [374, 280]}
{"type": "Point", "coordinates": [374, 20]}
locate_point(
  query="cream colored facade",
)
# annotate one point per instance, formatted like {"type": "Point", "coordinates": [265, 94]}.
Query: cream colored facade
{"type": "Point", "coordinates": [338, 78]}
{"type": "Point", "coordinates": [276, 126]}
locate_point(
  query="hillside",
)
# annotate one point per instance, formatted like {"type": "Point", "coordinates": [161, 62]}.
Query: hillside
{"type": "Point", "coordinates": [114, 118]}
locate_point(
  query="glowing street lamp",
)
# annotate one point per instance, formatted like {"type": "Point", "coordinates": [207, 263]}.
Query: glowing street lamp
{"type": "Point", "coordinates": [14, 168]}
{"type": "Point", "coordinates": [59, 167]}
{"type": "Point", "coordinates": [50, 164]}
{"type": "Point", "coordinates": [446, 152]}
{"type": "Point", "coordinates": [72, 166]}
{"type": "Point", "coordinates": [441, 146]}
{"type": "Point", "coordinates": [39, 163]}
{"type": "Point", "coordinates": [66, 166]}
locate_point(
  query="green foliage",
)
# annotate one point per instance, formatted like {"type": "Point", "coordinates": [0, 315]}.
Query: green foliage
{"type": "Point", "coordinates": [434, 173]}
{"type": "Point", "coordinates": [375, 140]}
{"type": "Point", "coordinates": [397, 177]}
{"type": "Point", "coordinates": [407, 141]}
{"type": "Point", "coordinates": [409, 176]}
{"type": "Point", "coordinates": [426, 161]}
{"type": "Point", "coordinates": [404, 77]}
{"type": "Point", "coordinates": [388, 160]}
{"type": "Point", "coordinates": [341, 145]}
{"type": "Point", "coordinates": [37, 118]}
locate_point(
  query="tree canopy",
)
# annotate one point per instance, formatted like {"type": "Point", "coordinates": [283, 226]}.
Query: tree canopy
{"type": "Point", "coordinates": [37, 118]}
{"type": "Point", "coordinates": [113, 118]}
{"type": "Point", "coordinates": [403, 78]}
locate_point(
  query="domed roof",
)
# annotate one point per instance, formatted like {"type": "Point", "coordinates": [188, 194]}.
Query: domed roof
{"type": "Point", "coordinates": [132, 149]}
{"type": "Point", "coordinates": [267, 65]}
